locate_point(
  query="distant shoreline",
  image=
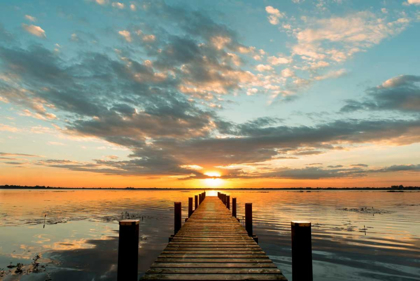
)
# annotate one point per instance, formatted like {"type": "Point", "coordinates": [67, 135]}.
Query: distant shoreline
{"type": "Point", "coordinates": [392, 188]}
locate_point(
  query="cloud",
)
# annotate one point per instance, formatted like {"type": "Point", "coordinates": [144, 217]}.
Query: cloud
{"type": "Point", "coordinates": [149, 38]}
{"type": "Point", "coordinates": [413, 2]}
{"type": "Point", "coordinates": [314, 171]}
{"type": "Point", "coordinates": [7, 128]}
{"type": "Point", "coordinates": [126, 34]}
{"type": "Point", "coordinates": [101, 2]}
{"type": "Point", "coordinates": [359, 165]}
{"type": "Point", "coordinates": [112, 157]}
{"type": "Point", "coordinates": [274, 15]}
{"type": "Point", "coordinates": [338, 38]}
{"type": "Point", "coordinates": [251, 91]}
{"type": "Point", "coordinates": [278, 60]}
{"type": "Point", "coordinates": [118, 5]}
{"type": "Point", "coordinates": [273, 20]}
{"type": "Point", "coordinates": [400, 93]}
{"type": "Point", "coordinates": [331, 74]}
{"type": "Point", "coordinates": [399, 168]}
{"type": "Point", "coordinates": [273, 11]}
{"type": "Point", "coordinates": [30, 18]}
{"type": "Point", "coordinates": [287, 72]}
{"type": "Point", "coordinates": [262, 68]}
{"type": "Point", "coordinates": [17, 154]}
{"type": "Point", "coordinates": [146, 166]}
{"type": "Point", "coordinates": [34, 30]}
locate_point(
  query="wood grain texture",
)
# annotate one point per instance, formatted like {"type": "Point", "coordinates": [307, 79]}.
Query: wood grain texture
{"type": "Point", "coordinates": [213, 245]}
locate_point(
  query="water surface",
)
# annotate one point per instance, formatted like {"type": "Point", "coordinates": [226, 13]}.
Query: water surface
{"type": "Point", "coordinates": [357, 235]}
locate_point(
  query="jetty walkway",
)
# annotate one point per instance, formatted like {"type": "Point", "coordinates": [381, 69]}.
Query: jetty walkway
{"type": "Point", "coordinates": [213, 245]}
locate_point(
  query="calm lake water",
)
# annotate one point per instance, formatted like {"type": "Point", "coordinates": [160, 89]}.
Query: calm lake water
{"type": "Point", "coordinates": [356, 235]}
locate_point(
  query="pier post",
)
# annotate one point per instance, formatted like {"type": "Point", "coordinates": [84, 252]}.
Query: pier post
{"type": "Point", "coordinates": [301, 251]}
{"type": "Point", "coordinates": [190, 206]}
{"type": "Point", "coordinates": [234, 207]}
{"type": "Point", "coordinates": [248, 218]}
{"type": "Point", "coordinates": [196, 202]}
{"type": "Point", "coordinates": [228, 202]}
{"type": "Point", "coordinates": [128, 250]}
{"type": "Point", "coordinates": [177, 217]}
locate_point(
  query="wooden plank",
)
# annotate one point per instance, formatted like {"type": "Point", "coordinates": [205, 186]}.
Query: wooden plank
{"type": "Point", "coordinates": [215, 256]}
{"type": "Point", "coordinates": [210, 277]}
{"type": "Point", "coordinates": [213, 260]}
{"type": "Point", "coordinates": [212, 245]}
{"type": "Point", "coordinates": [210, 265]}
{"type": "Point", "coordinates": [214, 270]}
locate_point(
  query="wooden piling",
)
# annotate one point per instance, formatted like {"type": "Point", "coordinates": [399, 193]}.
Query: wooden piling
{"type": "Point", "coordinates": [228, 202]}
{"type": "Point", "coordinates": [190, 206]}
{"type": "Point", "coordinates": [196, 202]}
{"type": "Point", "coordinates": [224, 198]}
{"type": "Point", "coordinates": [177, 217]}
{"type": "Point", "coordinates": [234, 207]}
{"type": "Point", "coordinates": [128, 250]}
{"type": "Point", "coordinates": [301, 251]}
{"type": "Point", "coordinates": [248, 218]}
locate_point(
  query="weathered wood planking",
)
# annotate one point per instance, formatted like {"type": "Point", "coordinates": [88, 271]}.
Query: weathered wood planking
{"type": "Point", "coordinates": [213, 245]}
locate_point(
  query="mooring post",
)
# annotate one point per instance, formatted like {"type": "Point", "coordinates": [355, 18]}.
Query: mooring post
{"type": "Point", "coordinates": [190, 206]}
{"type": "Point", "coordinates": [177, 217]}
{"type": "Point", "coordinates": [196, 202]}
{"type": "Point", "coordinates": [128, 250]}
{"type": "Point", "coordinates": [228, 202]}
{"type": "Point", "coordinates": [301, 251]}
{"type": "Point", "coordinates": [234, 207]}
{"type": "Point", "coordinates": [248, 218]}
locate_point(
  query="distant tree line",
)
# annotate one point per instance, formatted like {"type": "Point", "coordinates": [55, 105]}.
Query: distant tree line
{"type": "Point", "coordinates": [394, 187]}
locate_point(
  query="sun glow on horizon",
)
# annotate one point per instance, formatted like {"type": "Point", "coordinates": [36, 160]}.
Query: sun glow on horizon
{"type": "Point", "coordinates": [214, 179]}
{"type": "Point", "coordinates": [213, 174]}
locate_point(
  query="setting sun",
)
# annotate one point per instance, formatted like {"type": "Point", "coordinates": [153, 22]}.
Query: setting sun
{"type": "Point", "coordinates": [215, 179]}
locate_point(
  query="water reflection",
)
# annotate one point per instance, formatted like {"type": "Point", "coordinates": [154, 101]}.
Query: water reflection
{"type": "Point", "coordinates": [357, 235]}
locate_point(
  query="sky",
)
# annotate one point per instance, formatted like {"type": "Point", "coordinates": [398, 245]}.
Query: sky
{"type": "Point", "coordinates": [291, 93]}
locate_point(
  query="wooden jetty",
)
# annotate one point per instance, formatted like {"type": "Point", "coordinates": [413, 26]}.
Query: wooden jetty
{"type": "Point", "coordinates": [213, 245]}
